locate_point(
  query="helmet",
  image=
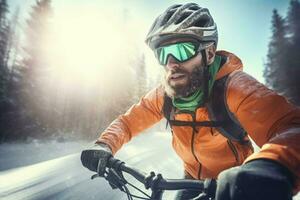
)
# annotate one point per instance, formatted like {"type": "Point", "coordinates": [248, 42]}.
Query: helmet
{"type": "Point", "coordinates": [187, 20]}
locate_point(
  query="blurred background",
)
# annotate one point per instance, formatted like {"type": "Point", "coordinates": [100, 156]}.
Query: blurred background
{"type": "Point", "coordinates": [69, 67]}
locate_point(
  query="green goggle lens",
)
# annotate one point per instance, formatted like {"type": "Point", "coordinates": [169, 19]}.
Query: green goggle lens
{"type": "Point", "coordinates": [181, 51]}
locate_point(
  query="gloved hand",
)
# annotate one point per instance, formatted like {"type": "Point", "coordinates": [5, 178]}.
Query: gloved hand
{"type": "Point", "coordinates": [96, 157]}
{"type": "Point", "coordinates": [208, 190]}
{"type": "Point", "coordinates": [259, 179]}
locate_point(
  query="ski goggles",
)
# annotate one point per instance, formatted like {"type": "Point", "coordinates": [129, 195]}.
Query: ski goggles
{"type": "Point", "coordinates": [182, 52]}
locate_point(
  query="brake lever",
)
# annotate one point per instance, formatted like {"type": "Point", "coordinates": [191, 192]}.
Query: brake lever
{"type": "Point", "coordinates": [115, 180]}
{"type": "Point", "coordinates": [95, 176]}
{"type": "Point", "coordinates": [202, 196]}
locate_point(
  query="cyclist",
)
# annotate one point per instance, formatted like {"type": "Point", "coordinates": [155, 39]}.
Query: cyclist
{"type": "Point", "coordinates": [210, 104]}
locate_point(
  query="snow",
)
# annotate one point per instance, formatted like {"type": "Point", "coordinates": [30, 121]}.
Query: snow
{"type": "Point", "coordinates": [52, 170]}
{"type": "Point", "coordinates": [14, 155]}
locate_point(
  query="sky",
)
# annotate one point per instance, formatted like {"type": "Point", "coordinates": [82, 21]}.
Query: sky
{"type": "Point", "coordinates": [244, 29]}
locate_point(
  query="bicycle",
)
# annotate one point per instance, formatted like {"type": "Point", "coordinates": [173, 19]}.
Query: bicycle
{"type": "Point", "coordinates": [156, 183]}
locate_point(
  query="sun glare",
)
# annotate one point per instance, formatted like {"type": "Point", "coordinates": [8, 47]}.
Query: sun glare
{"type": "Point", "coordinates": [84, 47]}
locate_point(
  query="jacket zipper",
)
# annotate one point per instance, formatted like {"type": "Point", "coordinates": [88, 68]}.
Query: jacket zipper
{"type": "Point", "coordinates": [234, 151]}
{"type": "Point", "coordinates": [192, 146]}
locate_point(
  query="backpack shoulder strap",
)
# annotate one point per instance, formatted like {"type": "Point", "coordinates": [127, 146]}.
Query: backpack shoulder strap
{"type": "Point", "coordinates": [218, 111]}
{"type": "Point", "coordinates": [167, 109]}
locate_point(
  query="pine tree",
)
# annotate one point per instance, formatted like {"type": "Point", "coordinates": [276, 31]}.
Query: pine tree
{"type": "Point", "coordinates": [34, 66]}
{"type": "Point", "coordinates": [4, 29]}
{"type": "Point", "coordinates": [141, 77]}
{"type": "Point", "coordinates": [13, 41]}
{"type": "Point", "coordinates": [293, 50]}
{"type": "Point", "coordinates": [10, 102]}
{"type": "Point", "coordinates": [274, 72]}
{"type": "Point", "coordinates": [4, 72]}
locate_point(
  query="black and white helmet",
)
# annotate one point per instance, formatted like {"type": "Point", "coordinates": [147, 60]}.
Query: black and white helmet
{"type": "Point", "coordinates": [187, 20]}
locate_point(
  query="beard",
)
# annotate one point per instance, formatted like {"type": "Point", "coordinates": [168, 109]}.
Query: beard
{"type": "Point", "coordinates": [194, 82]}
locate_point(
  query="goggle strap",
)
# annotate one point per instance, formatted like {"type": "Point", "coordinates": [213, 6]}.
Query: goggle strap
{"type": "Point", "coordinates": [205, 75]}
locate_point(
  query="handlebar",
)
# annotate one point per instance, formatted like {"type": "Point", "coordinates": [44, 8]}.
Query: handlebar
{"type": "Point", "coordinates": [154, 182]}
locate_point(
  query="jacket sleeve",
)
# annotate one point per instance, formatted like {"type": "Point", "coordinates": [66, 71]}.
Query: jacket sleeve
{"type": "Point", "coordinates": [270, 120]}
{"type": "Point", "coordinates": [138, 118]}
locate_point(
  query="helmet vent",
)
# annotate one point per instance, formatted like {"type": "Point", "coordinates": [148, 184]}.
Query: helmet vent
{"type": "Point", "coordinates": [183, 17]}
{"type": "Point", "coordinates": [168, 16]}
{"type": "Point", "coordinates": [194, 8]}
{"type": "Point", "coordinates": [202, 22]}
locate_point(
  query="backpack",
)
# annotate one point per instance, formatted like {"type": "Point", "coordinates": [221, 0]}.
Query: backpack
{"type": "Point", "coordinates": [221, 117]}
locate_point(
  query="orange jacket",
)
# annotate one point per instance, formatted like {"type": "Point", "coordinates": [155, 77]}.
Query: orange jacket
{"type": "Point", "coordinates": [267, 117]}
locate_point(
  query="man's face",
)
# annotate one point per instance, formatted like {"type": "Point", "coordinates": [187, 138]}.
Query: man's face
{"type": "Point", "coordinates": [182, 78]}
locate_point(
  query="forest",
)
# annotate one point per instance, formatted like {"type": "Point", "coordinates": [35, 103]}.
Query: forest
{"type": "Point", "coordinates": [36, 103]}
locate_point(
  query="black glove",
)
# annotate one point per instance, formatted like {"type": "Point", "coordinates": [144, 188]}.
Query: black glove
{"type": "Point", "coordinates": [259, 179]}
{"type": "Point", "coordinates": [208, 190]}
{"type": "Point", "coordinates": [96, 157]}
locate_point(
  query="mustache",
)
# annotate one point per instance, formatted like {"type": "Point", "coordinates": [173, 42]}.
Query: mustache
{"type": "Point", "coordinates": [179, 70]}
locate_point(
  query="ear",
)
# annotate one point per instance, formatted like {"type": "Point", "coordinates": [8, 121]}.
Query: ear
{"type": "Point", "coordinates": [210, 54]}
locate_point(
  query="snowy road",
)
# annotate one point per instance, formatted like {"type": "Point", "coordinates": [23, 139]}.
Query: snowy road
{"type": "Point", "coordinates": [65, 178]}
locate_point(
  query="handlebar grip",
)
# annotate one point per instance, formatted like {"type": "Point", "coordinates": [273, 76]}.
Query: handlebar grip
{"type": "Point", "coordinates": [114, 163]}
{"type": "Point", "coordinates": [121, 166]}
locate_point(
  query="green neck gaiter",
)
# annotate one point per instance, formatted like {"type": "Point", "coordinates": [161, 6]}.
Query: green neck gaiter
{"type": "Point", "coordinates": [191, 102]}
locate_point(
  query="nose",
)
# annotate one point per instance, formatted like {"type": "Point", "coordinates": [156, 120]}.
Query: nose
{"type": "Point", "coordinates": [172, 63]}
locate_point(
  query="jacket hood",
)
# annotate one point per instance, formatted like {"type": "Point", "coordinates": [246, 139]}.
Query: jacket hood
{"type": "Point", "coordinates": [232, 63]}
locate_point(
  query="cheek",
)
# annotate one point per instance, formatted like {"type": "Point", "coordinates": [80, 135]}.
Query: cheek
{"type": "Point", "coordinates": [190, 65]}
{"type": "Point", "coordinates": [167, 73]}
{"type": "Point", "coordinates": [192, 69]}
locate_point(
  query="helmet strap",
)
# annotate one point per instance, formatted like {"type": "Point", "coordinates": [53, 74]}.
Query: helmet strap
{"type": "Point", "coordinates": [205, 76]}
